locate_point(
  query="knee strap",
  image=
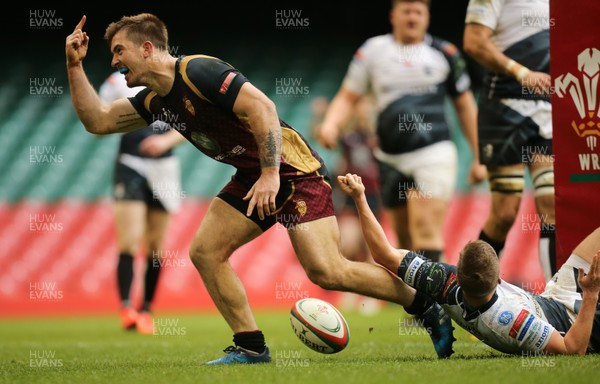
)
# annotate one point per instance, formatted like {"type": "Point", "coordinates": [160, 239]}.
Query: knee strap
{"type": "Point", "coordinates": [543, 181]}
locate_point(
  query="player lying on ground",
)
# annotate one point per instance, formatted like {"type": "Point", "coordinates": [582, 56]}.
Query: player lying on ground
{"type": "Point", "coordinates": [564, 319]}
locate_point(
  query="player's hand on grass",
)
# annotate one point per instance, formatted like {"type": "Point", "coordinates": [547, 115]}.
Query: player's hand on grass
{"type": "Point", "coordinates": [263, 193]}
{"type": "Point", "coordinates": [352, 185]}
{"type": "Point", "coordinates": [77, 44]}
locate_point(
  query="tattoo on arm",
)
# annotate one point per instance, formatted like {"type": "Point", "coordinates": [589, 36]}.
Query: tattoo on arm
{"type": "Point", "coordinates": [271, 153]}
{"type": "Point", "coordinates": [127, 121]}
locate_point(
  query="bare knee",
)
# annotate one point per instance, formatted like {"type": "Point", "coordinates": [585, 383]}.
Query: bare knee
{"type": "Point", "coordinates": [204, 256]}
{"type": "Point", "coordinates": [327, 277]}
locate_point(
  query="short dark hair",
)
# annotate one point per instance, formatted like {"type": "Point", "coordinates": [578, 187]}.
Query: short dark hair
{"type": "Point", "coordinates": [140, 28]}
{"type": "Point", "coordinates": [478, 269]}
{"type": "Point", "coordinates": [426, 2]}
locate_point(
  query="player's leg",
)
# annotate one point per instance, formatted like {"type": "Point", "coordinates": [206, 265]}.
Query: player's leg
{"type": "Point", "coordinates": [162, 195]}
{"type": "Point", "coordinates": [130, 225]}
{"type": "Point", "coordinates": [129, 210]}
{"type": "Point", "coordinates": [394, 200]}
{"type": "Point", "coordinates": [317, 246]}
{"type": "Point", "coordinates": [223, 230]}
{"type": "Point", "coordinates": [316, 239]}
{"type": "Point", "coordinates": [506, 186]}
{"type": "Point", "coordinates": [505, 128]}
{"type": "Point", "coordinates": [426, 221]}
{"type": "Point", "coordinates": [542, 175]}
{"type": "Point", "coordinates": [157, 222]}
{"type": "Point", "coordinates": [433, 169]}
{"type": "Point", "coordinates": [398, 217]}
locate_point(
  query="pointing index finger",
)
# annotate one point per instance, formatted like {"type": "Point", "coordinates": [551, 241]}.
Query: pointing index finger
{"type": "Point", "coordinates": [81, 23]}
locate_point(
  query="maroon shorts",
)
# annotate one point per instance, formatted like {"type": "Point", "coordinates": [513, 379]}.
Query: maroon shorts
{"type": "Point", "coordinates": [300, 199]}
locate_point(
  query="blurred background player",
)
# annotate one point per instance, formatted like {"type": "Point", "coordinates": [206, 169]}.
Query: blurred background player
{"type": "Point", "coordinates": [410, 74]}
{"type": "Point", "coordinates": [511, 40]}
{"type": "Point", "coordinates": [357, 141]}
{"type": "Point", "coordinates": [146, 191]}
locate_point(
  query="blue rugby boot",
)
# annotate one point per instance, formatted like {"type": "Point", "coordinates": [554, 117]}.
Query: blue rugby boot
{"type": "Point", "coordinates": [239, 355]}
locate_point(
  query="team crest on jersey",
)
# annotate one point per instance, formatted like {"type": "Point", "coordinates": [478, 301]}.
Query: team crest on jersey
{"type": "Point", "coordinates": [210, 146]}
{"type": "Point", "coordinates": [189, 106]}
{"type": "Point", "coordinates": [301, 207]}
{"type": "Point", "coordinates": [505, 317]}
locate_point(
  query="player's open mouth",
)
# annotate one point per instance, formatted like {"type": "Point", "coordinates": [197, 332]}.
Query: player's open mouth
{"type": "Point", "coordinates": [124, 70]}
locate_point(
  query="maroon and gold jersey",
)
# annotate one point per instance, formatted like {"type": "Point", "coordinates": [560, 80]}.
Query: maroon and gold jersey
{"type": "Point", "coordinates": [200, 107]}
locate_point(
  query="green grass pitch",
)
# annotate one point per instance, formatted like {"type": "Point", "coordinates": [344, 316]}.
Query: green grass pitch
{"type": "Point", "coordinates": [384, 348]}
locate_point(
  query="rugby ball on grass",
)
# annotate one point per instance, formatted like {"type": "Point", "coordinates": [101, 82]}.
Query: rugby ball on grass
{"type": "Point", "coordinates": [319, 325]}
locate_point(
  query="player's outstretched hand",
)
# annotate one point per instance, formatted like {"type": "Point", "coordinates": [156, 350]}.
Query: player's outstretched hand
{"type": "Point", "coordinates": [77, 44]}
{"type": "Point", "coordinates": [352, 185]}
{"type": "Point", "coordinates": [590, 283]}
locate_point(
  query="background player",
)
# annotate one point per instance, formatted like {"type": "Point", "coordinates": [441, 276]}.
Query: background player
{"type": "Point", "coordinates": [279, 178]}
{"type": "Point", "coordinates": [411, 74]}
{"type": "Point", "coordinates": [511, 39]}
{"type": "Point", "coordinates": [146, 191]}
{"type": "Point", "coordinates": [564, 319]}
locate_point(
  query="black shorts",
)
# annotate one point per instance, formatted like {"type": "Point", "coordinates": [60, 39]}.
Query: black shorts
{"type": "Point", "coordinates": [390, 182]}
{"type": "Point", "coordinates": [507, 137]}
{"type": "Point", "coordinates": [129, 185]}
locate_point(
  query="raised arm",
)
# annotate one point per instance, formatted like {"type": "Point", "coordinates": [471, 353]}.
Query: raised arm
{"type": "Point", "coordinates": [339, 111]}
{"type": "Point", "coordinates": [381, 249]}
{"type": "Point", "coordinates": [260, 114]}
{"type": "Point", "coordinates": [97, 117]}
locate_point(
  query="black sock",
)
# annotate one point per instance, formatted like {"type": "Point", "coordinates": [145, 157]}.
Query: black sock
{"type": "Point", "coordinates": [431, 254]}
{"type": "Point", "coordinates": [421, 303]}
{"type": "Point", "coordinates": [497, 245]}
{"type": "Point", "coordinates": [252, 341]}
{"type": "Point", "coordinates": [153, 268]}
{"type": "Point", "coordinates": [548, 250]}
{"type": "Point", "coordinates": [125, 277]}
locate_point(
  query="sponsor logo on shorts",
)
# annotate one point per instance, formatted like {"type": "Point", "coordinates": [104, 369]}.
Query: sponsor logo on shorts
{"type": "Point", "coordinates": [505, 317]}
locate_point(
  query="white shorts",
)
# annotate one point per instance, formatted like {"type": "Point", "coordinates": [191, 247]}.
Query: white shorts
{"type": "Point", "coordinates": [563, 287]}
{"type": "Point", "coordinates": [162, 176]}
{"type": "Point", "coordinates": [434, 167]}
